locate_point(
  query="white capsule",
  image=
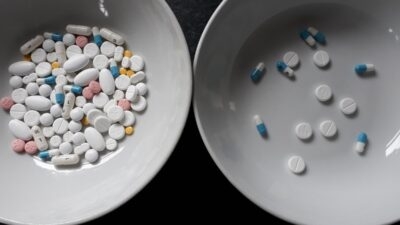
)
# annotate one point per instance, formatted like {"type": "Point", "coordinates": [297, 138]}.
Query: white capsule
{"type": "Point", "coordinates": [21, 68]}
{"type": "Point", "coordinates": [73, 50]}
{"type": "Point", "coordinates": [32, 88]}
{"type": "Point", "coordinates": [81, 149]}
{"type": "Point", "coordinates": [296, 165]}
{"type": "Point", "coordinates": [69, 39]}
{"type": "Point", "coordinates": [78, 29]}
{"type": "Point", "coordinates": [100, 62]}
{"type": "Point", "coordinates": [122, 82]}
{"type": "Point", "coordinates": [43, 69]}
{"type": "Point", "coordinates": [65, 160]}
{"type": "Point", "coordinates": [139, 105]}
{"type": "Point", "coordinates": [107, 49]}
{"type": "Point", "coordinates": [78, 138]}
{"type": "Point", "coordinates": [17, 111]}
{"type": "Point", "coordinates": [20, 130]}
{"type": "Point", "coordinates": [91, 50]}
{"type": "Point", "coordinates": [15, 82]}
{"type": "Point", "coordinates": [83, 78]}
{"type": "Point", "coordinates": [95, 139]}
{"type": "Point", "coordinates": [100, 100]}
{"type": "Point", "coordinates": [75, 63]}
{"type": "Point", "coordinates": [39, 138]}
{"type": "Point", "coordinates": [118, 53]}
{"type": "Point", "coordinates": [60, 126]}
{"type": "Point", "coordinates": [38, 103]}
{"type": "Point", "coordinates": [328, 128]}
{"type": "Point", "coordinates": [138, 77]}
{"type": "Point", "coordinates": [39, 55]}
{"type": "Point", "coordinates": [48, 132]}
{"type": "Point", "coordinates": [137, 63]}
{"type": "Point", "coordinates": [46, 119]}
{"type": "Point", "coordinates": [48, 45]}
{"type": "Point", "coordinates": [111, 36]}
{"type": "Point", "coordinates": [31, 45]}
{"type": "Point", "coordinates": [69, 103]}
{"type": "Point", "coordinates": [348, 106]}
{"type": "Point", "coordinates": [60, 52]}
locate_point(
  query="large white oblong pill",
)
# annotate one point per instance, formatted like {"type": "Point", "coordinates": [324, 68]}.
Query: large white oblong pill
{"type": "Point", "coordinates": [111, 36]}
{"type": "Point", "coordinates": [20, 130]}
{"type": "Point", "coordinates": [107, 83]}
{"type": "Point", "coordinates": [78, 29]}
{"type": "Point", "coordinates": [75, 63]}
{"type": "Point", "coordinates": [38, 103]}
{"type": "Point", "coordinates": [22, 68]}
{"type": "Point", "coordinates": [65, 160]}
{"type": "Point", "coordinates": [95, 139]}
{"type": "Point", "coordinates": [83, 78]}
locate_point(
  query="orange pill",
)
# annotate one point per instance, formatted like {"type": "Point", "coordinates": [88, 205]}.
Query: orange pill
{"type": "Point", "coordinates": [55, 65]}
{"type": "Point", "coordinates": [85, 121]}
{"type": "Point", "coordinates": [27, 57]}
{"type": "Point", "coordinates": [122, 71]}
{"type": "Point", "coordinates": [130, 73]}
{"type": "Point", "coordinates": [128, 53]}
{"type": "Point", "coordinates": [129, 130]}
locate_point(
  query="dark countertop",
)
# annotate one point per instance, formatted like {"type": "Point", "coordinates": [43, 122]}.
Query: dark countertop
{"type": "Point", "coordinates": [190, 179]}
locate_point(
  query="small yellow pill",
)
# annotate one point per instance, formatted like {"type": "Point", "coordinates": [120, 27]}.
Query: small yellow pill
{"type": "Point", "coordinates": [27, 57]}
{"type": "Point", "coordinates": [128, 53]}
{"type": "Point", "coordinates": [129, 130]}
{"type": "Point", "coordinates": [130, 73]}
{"type": "Point", "coordinates": [85, 121]}
{"type": "Point", "coordinates": [122, 71]}
{"type": "Point", "coordinates": [55, 65]}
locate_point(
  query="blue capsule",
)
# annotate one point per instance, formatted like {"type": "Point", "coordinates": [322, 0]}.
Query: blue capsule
{"type": "Point", "coordinates": [257, 72]}
{"type": "Point", "coordinates": [96, 36]}
{"type": "Point", "coordinates": [50, 80]}
{"type": "Point", "coordinates": [53, 36]}
{"type": "Point", "coordinates": [364, 68]}
{"type": "Point", "coordinates": [77, 90]}
{"type": "Point", "coordinates": [362, 137]}
{"type": "Point", "coordinates": [114, 68]}
{"type": "Point", "coordinates": [307, 38]}
{"type": "Point", "coordinates": [284, 68]}
{"type": "Point", "coordinates": [317, 35]}
{"type": "Point", "coordinates": [45, 155]}
{"type": "Point", "coordinates": [261, 128]}
{"type": "Point", "coordinates": [60, 97]}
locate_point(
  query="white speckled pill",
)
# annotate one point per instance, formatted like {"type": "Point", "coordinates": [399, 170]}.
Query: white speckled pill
{"type": "Point", "coordinates": [100, 62]}
{"type": "Point", "coordinates": [48, 45]}
{"type": "Point", "coordinates": [16, 82]}
{"type": "Point", "coordinates": [118, 95]}
{"type": "Point", "coordinates": [43, 69]}
{"type": "Point", "coordinates": [46, 119]}
{"type": "Point", "coordinates": [116, 131]}
{"type": "Point", "coordinates": [32, 88]}
{"type": "Point", "coordinates": [80, 101]}
{"type": "Point", "coordinates": [69, 39]}
{"type": "Point", "coordinates": [74, 126]}
{"type": "Point", "coordinates": [91, 50]}
{"type": "Point", "coordinates": [19, 95]}
{"type": "Point", "coordinates": [55, 141]}
{"type": "Point", "coordinates": [56, 111]}
{"type": "Point", "coordinates": [67, 137]}
{"type": "Point", "coordinates": [45, 90]}
{"type": "Point", "coordinates": [100, 100]}
{"type": "Point", "coordinates": [107, 49]}
{"type": "Point", "coordinates": [115, 114]}
{"type": "Point", "coordinates": [78, 138]}
{"type": "Point", "coordinates": [32, 118]}
{"type": "Point", "coordinates": [39, 55]}
{"type": "Point", "coordinates": [48, 132]}
{"type": "Point", "coordinates": [139, 105]}
{"type": "Point", "coordinates": [73, 50]}
{"type": "Point", "coordinates": [51, 57]}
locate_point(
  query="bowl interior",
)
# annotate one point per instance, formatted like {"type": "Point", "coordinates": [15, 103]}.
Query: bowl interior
{"type": "Point", "coordinates": [34, 192]}
{"type": "Point", "coordinates": [339, 186]}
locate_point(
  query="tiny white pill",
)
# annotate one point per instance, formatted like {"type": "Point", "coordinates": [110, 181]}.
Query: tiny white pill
{"type": "Point", "coordinates": [48, 45]}
{"type": "Point", "coordinates": [16, 82]}
{"type": "Point", "coordinates": [321, 58]}
{"type": "Point", "coordinates": [348, 106]}
{"type": "Point", "coordinates": [137, 63]}
{"type": "Point", "coordinates": [111, 144]}
{"type": "Point", "coordinates": [81, 149]}
{"type": "Point", "coordinates": [80, 101]}
{"type": "Point", "coordinates": [102, 124]}
{"type": "Point", "coordinates": [296, 165]}
{"type": "Point", "coordinates": [115, 114]}
{"type": "Point", "coordinates": [46, 119]}
{"type": "Point", "coordinates": [142, 88]}
{"type": "Point", "coordinates": [95, 139]}
{"type": "Point", "coordinates": [323, 93]}
{"type": "Point", "coordinates": [131, 93]}
{"type": "Point", "coordinates": [48, 132]}
{"type": "Point", "coordinates": [74, 126]}
{"type": "Point", "coordinates": [19, 129]}
{"type": "Point", "coordinates": [39, 55]}
{"type": "Point", "coordinates": [138, 77]}
{"type": "Point", "coordinates": [45, 90]}
{"type": "Point", "coordinates": [55, 141]}
{"type": "Point", "coordinates": [87, 107]}
{"type": "Point", "coordinates": [60, 126]}
{"type": "Point", "coordinates": [139, 105]}
{"type": "Point", "coordinates": [51, 57]}
{"type": "Point", "coordinates": [67, 137]}
{"type": "Point", "coordinates": [107, 49]}
{"type": "Point", "coordinates": [77, 114]}
{"type": "Point", "coordinates": [65, 160]}
{"type": "Point", "coordinates": [56, 111]}
{"type": "Point", "coordinates": [18, 111]}
{"type": "Point", "coordinates": [91, 50]}
{"type": "Point", "coordinates": [91, 155]}
{"type": "Point", "coordinates": [107, 83]}
{"type": "Point", "coordinates": [303, 131]}
{"type": "Point", "coordinates": [78, 138]}
{"type": "Point", "coordinates": [100, 100]}
{"type": "Point", "coordinates": [32, 88]}
{"type": "Point", "coordinates": [122, 82]}
{"type": "Point", "coordinates": [100, 62]}
{"type": "Point", "coordinates": [43, 69]}
{"type": "Point", "coordinates": [83, 78]}
{"type": "Point", "coordinates": [19, 95]}
{"type": "Point", "coordinates": [118, 95]}
{"type": "Point", "coordinates": [69, 39]}
{"type": "Point", "coordinates": [30, 78]}
{"type": "Point", "coordinates": [93, 114]}
{"type": "Point", "coordinates": [291, 59]}
{"type": "Point", "coordinates": [116, 131]}
{"type": "Point", "coordinates": [65, 148]}
{"type": "Point", "coordinates": [21, 68]}
{"type": "Point", "coordinates": [76, 62]}
{"type": "Point", "coordinates": [328, 128]}
{"type": "Point", "coordinates": [73, 50]}
{"type": "Point", "coordinates": [129, 119]}
{"type": "Point", "coordinates": [32, 118]}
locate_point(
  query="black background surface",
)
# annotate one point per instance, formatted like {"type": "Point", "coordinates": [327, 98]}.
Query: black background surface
{"type": "Point", "coordinates": [190, 185]}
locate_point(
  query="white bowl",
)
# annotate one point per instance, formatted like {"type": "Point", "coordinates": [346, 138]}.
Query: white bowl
{"type": "Point", "coordinates": [33, 192]}
{"type": "Point", "coordinates": [339, 185]}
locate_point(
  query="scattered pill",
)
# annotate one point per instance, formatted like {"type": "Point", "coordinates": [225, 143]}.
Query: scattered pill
{"type": "Point", "coordinates": [115, 114]}
{"type": "Point", "coordinates": [118, 53]}
{"type": "Point", "coordinates": [129, 130]}
{"type": "Point", "coordinates": [107, 83]}
{"type": "Point", "coordinates": [81, 149]}
{"type": "Point", "coordinates": [285, 69]}
{"type": "Point", "coordinates": [65, 148]}
{"type": "Point", "coordinates": [81, 41]}
{"type": "Point", "coordinates": [122, 82]}
{"type": "Point", "coordinates": [291, 59]}
{"type": "Point", "coordinates": [45, 90]}
{"type": "Point", "coordinates": [116, 131]}
{"type": "Point", "coordinates": [95, 139]}
{"type": "Point", "coordinates": [317, 35]}
{"type": "Point", "coordinates": [60, 126]}
{"type": "Point", "coordinates": [124, 104]}
{"type": "Point", "coordinates": [78, 138]}
{"type": "Point", "coordinates": [128, 120]}
{"type": "Point", "coordinates": [109, 104]}
{"type": "Point", "coordinates": [321, 58]}
{"type": "Point", "coordinates": [48, 46]}
{"type": "Point", "coordinates": [118, 95]}
{"type": "Point", "coordinates": [328, 128]}
{"type": "Point", "coordinates": [107, 49]}
{"type": "Point", "coordinates": [102, 124]}
{"type": "Point", "coordinates": [18, 145]}
{"type": "Point", "coordinates": [91, 50]}
{"type": "Point", "coordinates": [80, 101]}
{"type": "Point", "coordinates": [137, 63]}
{"type": "Point", "coordinates": [76, 63]}
{"type": "Point", "coordinates": [307, 38]}
{"type": "Point", "coordinates": [138, 77]}
{"type": "Point", "coordinates": [323, 93]}
{"type": "Point", "coordinates": [31, 45]}
{"type": "Point", "coordinates": [51, 57]}
{"type": "Point", "coordinates": [96, 36]}
{"type": "Point", "coordinates": [43, 69]}
{"type": "Point", "coordinates": [364, 68]}
{"type": "Point", "coordinates": [100, 100]}
{"type": "Point", "coordinates": [39, 55]}
{"type": "Point", "coordinates": [142, 88]}
{"type": "Point", "coordinates": [131, 93]}
{"type": "Point", "coordinates": [45, 155]}
{"type": "Point", "coordinates": [19, 95]}
{"type": "Point", "coordinates": [84, 77]}
{"type": "Point", "coordinates": [91, 155]}
{"type": "Point", "coordinates": [32, 88]}
{"type": "Point", "coordinates": [348, 106]}
{"type": "Point", "coordinates": [73, 50]}
{"type": "Point", "coordinates": [39, 138]}
{"type": "Point", "coordinates": [78, 29]}
{"type": "Point", "coordinates": [48, 132]}
{"type": "Point", "coordinates": [261, 128]}
{"type": "Point", "coordinates": [255, 75]}
{"type": "Point", "coordinates": [21, 68]}
{"type": "Point", "coordinates": [46, 119]}
{"type": "Point", "coordinates": [74, 126]}
{"type": "Point", "coordinates": [296, 165]}
{"type": "Point", "coordinates": [68, 39]}
{"type": "Point", "coordinates": [303, 131]}
{"type": "Point", "coordinates": [60, 52]}
{"type": "Point", "coordinates": [362, 140]}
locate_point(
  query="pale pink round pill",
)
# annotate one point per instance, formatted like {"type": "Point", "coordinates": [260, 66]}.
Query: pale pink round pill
{"type": "Point", "coordinates": [124, 104]}
{"type": "Point", "coordinates": [6, 103]}
{"type": "Point", "coordinates": [94, 87]}
{"type": "Point", "coordinates": [18, 145]}
{"type": "Point", "coordinates": [87, 93]}
{"type": "Point", "coordinates": [81, 41]}
{"type": "Point", "coordinates": [30, 147]}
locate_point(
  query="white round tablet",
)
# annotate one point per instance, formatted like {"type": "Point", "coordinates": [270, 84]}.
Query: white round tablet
{"type": "Point", "coordinates": [348, 106]}
{"type": "Point", "coordinates": [87, 107]}
{"type": "Point", "coordinates": [82, 148]}
{"type": "Point", "coordinates": [91, 155]}
{"type": "Point", "coordinates": [100, 62]}
{"type": "Point", "coordinates": [46, 119]}
{"type": "Point", "coordinates": [137, 63]}
{"type": "Point", "coordinates": [328, 128]}
{"type": "Point", "coordinates": [60, 126]}
{"type": "Point", "coordinates": [32, 88]}
{"type": "Point", "coordinates": [45, 90]}
{"type": "Point", "coordinates": [43, 69]}
{"type": "Point", "coordinates": [68, 39]}
{"type": "Point", "coordinates": [129, 119]}
{"type": "Point", "coordinates": [48, 45]}
{"type": "Point", "coordinates": [138, 77]}
{"type": "Point", "coordinates": [56, 111]}
{"type": "Point", "coordinates": [77, 114]}
{"type": "Point", "coordinates": [303, 131]}
{"type": "Point", "coordinates": [131, 93]}
{"type": "Point", "coordinates": [100, 100]}
{"type": "Point", "coordinates": [58, 72]}
{"type": "Point", "coordinates": [32, 118]}
{"type": "Point", "coordinates": [321, 58]}
{"type": "Point", "coordinates": [142, 88]}
{"type": "Point", "coordinates": [107, 49]}
{"type": "Point", "coordinates": [51, 57]}
{"type": "Point", "coordinates": [291, 59]}
{"type": "Point", "coordinates": [139, 105]}
{"type": "Point", "coordinates": [16, 82]}
{"type": "Point", "coordinates": [55, 141]}
{"type": "Point", "coordinates": [118, 95]}
{"type": "Point", "coordinates": [18, 111]}
{"type": "Point", "coordinates": [111, 144]}
{"type": "Point", "coordinates": [93, 114]}
{"type": "Point", "coordinates": [73, 50]}
{"type": "Point", "coordinates": [65, 148]}
{"type": "Point", "coordinates": [323, 93]}
{"type": "Point", "coordinates": [48, 132]}
{"type": "Point", "coordinates": [115, 113]}
{"type": "Point", "coordinates": [30, 78]}
{"type": "Point", "coordinates": [122, 82]}
{"type": "Point", "coordinates": [19, 95]}
{"type": "Point", "coordinates": [80, 101]}
{"type": "Point", "coordinates": [91, 50]}
{"type": "Point", "coordinates": [296, 165]}
{"type": "Point", "coordinates": [102, 124]}
{"type": "Point", "coordinates": [74, 126]}
{"type": "Point", "coordinates": [78, 138]}
{"type": "Point", "coordinates": [116, 131]}
{"type": "Point", "coordinates": [61, 80]}
{"type": "Point", "coordinates": [67, 137]}
{"type": "Point", "coordinates": [110, 103]}
{"type": "Point", "coordinates": [39, 55]}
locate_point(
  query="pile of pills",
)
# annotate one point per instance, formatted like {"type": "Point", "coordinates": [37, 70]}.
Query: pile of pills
{"type": "Point", "coordinates": [323, 93]}
{"type": "Point", "coordinates": [74, 95]}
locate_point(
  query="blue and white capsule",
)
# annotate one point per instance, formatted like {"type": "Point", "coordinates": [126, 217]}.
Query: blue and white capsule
{"type": "Point", "coordinates": [258, 72]}
{"type": "Point", "coordinates": [284, 68]}
{"type": "Point", "coordinates": [307, 38]}
{"type": "Point", "coordinates": [51, 80]}
{"type": "Point", "coordinates": [317, 35]}
{"type": "Point", "coordinates": [46, 155]}
{"type": "Point", "coordinates": [96, 36]}
{"type": "Point", "coordinates": [261, 128]}
{"type": "Point", "coordinates": [53, 36]}
{"type": "Point", "coordinates": [114, 68]}
{"type": "Point", "coordinates": [73, 88]}
{"type": "Point", "coordinates": [364, 68]}
{"type": "Point", "coordinates": [362, 140]}
{"type": "Point", "coordinates": [60, 96]}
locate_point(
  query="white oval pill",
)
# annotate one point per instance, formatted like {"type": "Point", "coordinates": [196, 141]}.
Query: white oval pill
{"type": "Point", "coordinates": [107, 83]}
{"type": "Point", "coordinates": [60, 126]}
{"type": "Point", "coordinates": [17, 111]}
{"type": "Point", "coordinates": [65, 148]}
{"type": "Point", "coordinates": [91, 50]}
{"type": "Point", "coordinates": [80, 101]}
{"type": "Point", "coordinates": [129, 119]}
{"type": "Point", "coordinates": [107, 49]}
{"type": "Point", "coordinates": [93, 114]}
{"type": "Point", "coordinates": [48, 45]}
{"type": "Point", "coordinates": [126, 63]}
{"type": "Point", "coordinates": [139, 105]}
{"type": "Point", "coordinates": [48, 132]}
{"type": "Point", "coordinates": [21, 68]}
{"type": "Point", "coordinates": [142, 88]}
{"type": "Point", "coordinates": [16, 82]}
{"type": "Point", "coordinates": [116, 131]}
{"type": "Point", "coordinates": [87, 107]}
{"type": "Point", "coordinates": [77, 114]}
{"type": "Point", "coordinates": [38, 103]}
{"type": "Point", "coordinates": [303, 131]}
{"type": "Point", "coordinates": [138, 77]}
{"type": "Point", "coordinates": [46, 119]}
{"type": "Point", "coordinates": [95, 139]}
{"type": "Point", "coordinates": [81, 148]}
{"type": "Point", "coordinates": [43, 69]}
{"type": "Point", "coordinates": [328, 128]}
{"type": "Point", "coordinates": [32, 88]}
{"type": "Point", "coordinates": [102, 124]}
{"type": "Point", "coordinates": [137, 63]}
{"type": "Point", "coordinates": [65, 160]}
{"type": "Point", "coordinates": [78, 138]}
{"type": "Point", "coordinates": [296, 164]}
{"type": "Point", "coordinates": [100, 62]}
{"type": "Point", "coordinates": [75, 63]}
{"type": "Point", "coordinates": [91, 155]}
{"type": "Point", "coordinates": [32, 118]}
{"type": "Point", "coordinates": [100, 100]}
{"type": "Point", "coordinates": [84, 77]}
{"type": "Point", "coordinates": [122, 82]}
{"type": "Point", "coordinates": [111, 144]}
{"type": "Point", "coordinates": [45, 90]}
{"type": "Point", "coordinates": [118, 95]}
{"type": "Point", "coordinates": [323, 93]}
{"type": "Point", "coordinates": [348, 106]}
{"type": "Point", "coordinates": [20, 130]}
{"type": "Point", "coordinates": [55, 141]}
{"type": "Point", "coordinates": [73, 50]}
{"type": "Point", "coordinates": [321, 58]}
{"type": "Point", "coordinates": [19, 95]}
{"type": "Point", "coordinates": [109, 104]}
{"type": "Point", "coordinates": [74, 126]}
{"type": "Point", "coordinates": [115, 114]}
{"type": "Point", "coordinates": [38, 56]}
{"type": "Point", "coordinates": [78, 29]}
{"type": "Point", "coordinates": [131, 93]}
{"type": "Point", "coordinates": [69, 39]}
{"type": "Point", "coordinates": [291, 59]}
{"type": "Point", "coordinates": [56, 111]}
{"type": "Point", "coordinates": [51, 57]}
